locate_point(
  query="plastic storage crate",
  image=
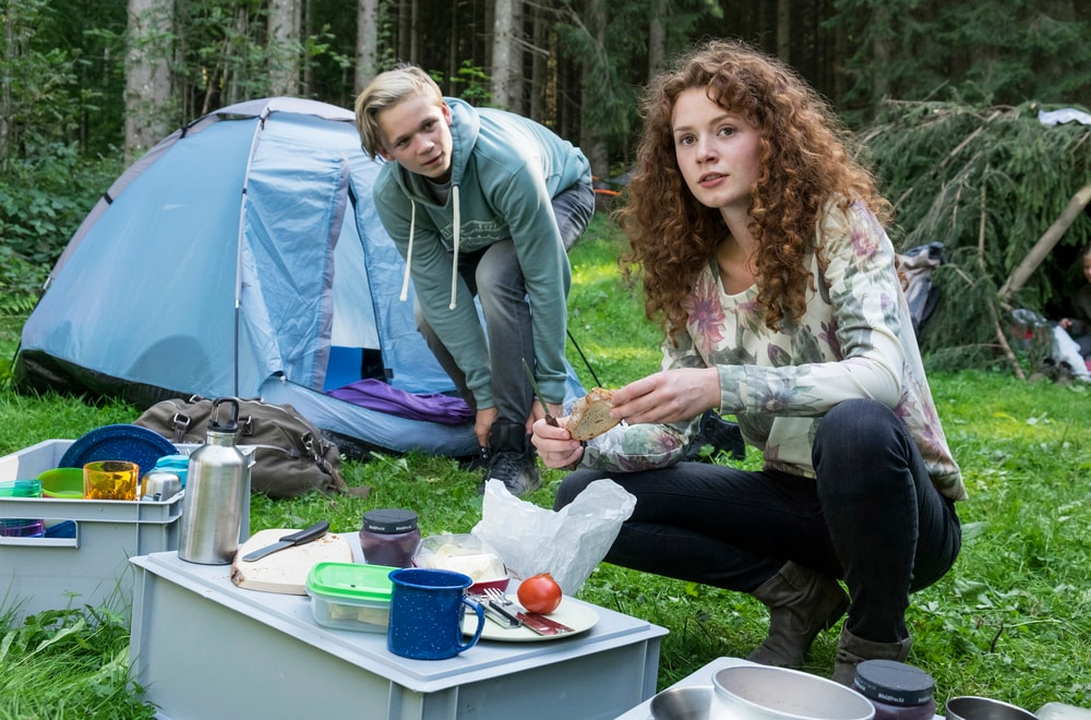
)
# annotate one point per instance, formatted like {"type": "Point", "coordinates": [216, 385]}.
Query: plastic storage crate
{"type": "Point", "coordinates": [91, 568]}
{"type": "Point", "coordinates": [204, 648]}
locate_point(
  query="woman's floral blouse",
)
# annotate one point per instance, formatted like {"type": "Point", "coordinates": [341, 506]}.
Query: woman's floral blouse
{"type": "Point", "coordinates": [854, 341]}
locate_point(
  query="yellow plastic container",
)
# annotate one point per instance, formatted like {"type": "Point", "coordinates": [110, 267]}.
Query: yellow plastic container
{"type": "Point", "coordinates": [110, 480]}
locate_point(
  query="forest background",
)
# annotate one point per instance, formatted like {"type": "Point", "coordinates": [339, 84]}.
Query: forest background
{"type": "Point", "coordinates": [943, 96]}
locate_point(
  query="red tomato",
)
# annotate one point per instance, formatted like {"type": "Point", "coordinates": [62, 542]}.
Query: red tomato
{"type": "Point", "coordinates": [539, 593]}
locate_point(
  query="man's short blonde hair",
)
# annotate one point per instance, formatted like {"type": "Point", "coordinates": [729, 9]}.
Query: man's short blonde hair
{"type": "Point", "coordinates": [386, 90]}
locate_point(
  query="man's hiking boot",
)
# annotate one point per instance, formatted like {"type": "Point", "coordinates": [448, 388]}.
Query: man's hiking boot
{"type": "Point", "coordinates": [801, 604]}
{"type": "Point", "coordinates": [512, 458]}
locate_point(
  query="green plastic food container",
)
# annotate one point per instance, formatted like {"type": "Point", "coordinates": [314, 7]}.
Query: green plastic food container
{"type": "Point", "coordinates": [350, 596]}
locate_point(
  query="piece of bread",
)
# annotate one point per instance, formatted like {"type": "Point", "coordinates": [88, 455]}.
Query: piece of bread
{"type": "Point", "coordinates": [591, 415]}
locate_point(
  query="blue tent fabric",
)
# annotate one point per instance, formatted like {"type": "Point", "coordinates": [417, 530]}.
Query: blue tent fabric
{"type": "Point", "coordinates": [238, 257]}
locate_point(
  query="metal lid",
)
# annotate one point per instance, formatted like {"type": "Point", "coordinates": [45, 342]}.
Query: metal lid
{"type": "Point", "coordinates": [388, 521]}
{"type": "Point", "coordinates": [893, 682]}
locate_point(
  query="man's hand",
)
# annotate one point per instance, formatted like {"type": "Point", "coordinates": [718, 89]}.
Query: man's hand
{"type": "Point", "coordinates": [555, 446]}
{"type": "Point", "coordinates": [483, 423]}
{"type": "Point", "coordinates": [537, 413]}
{"type": "Point", "coordinates": [668, 396]}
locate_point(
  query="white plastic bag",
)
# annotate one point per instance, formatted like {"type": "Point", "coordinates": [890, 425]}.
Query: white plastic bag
{"type": "Point", "coordinates": [567, 543]}
{"type": "Point", "coordinates": [1067, 350]}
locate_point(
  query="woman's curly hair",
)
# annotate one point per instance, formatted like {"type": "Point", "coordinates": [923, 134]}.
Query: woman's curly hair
{"type": "Point", "coordinates": [804, 164]}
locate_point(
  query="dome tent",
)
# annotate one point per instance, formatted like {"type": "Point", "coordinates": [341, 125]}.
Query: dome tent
{"type": "Point", "coordinates": [242, 256]}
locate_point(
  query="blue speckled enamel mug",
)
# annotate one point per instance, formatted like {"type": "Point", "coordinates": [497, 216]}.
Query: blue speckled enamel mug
{"type": "Point", "coordinates": [426, 614]}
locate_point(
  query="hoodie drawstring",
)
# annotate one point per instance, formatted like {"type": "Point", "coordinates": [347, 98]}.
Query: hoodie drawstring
{"type": "Point", "coordinates": [409, 254]}
{"type": "Point", "coordinates": [458, 228]}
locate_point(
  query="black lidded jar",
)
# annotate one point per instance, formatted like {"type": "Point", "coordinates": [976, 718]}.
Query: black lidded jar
{"type": "Point", "coordinates": [898, 691]}
{"type": "Point", "coordinates": [389, 537]}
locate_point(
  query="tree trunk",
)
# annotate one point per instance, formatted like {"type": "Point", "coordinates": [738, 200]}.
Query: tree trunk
{"type": "Point", "coordinates": [538, 66]}
{"type": "Point", "coordinates": [232, 83]}
{"type": "Point", "coordinates": [305, 23]}
{"type": "Point", "coordinates": [5, 81]}
{"type": "Point", "coordinates": [283, 46]}
{"type": "Point", "coordinates": [657, 38]}
{"type": "Point", "coordinates": [840, 55]}
{"type": "Point", "coordinates": [148, 115]}
{"type": "Point", "coordinates": [414, 32]}
{"type": "Point", "coordinates": [516, 80]}
{"type": "Point", "coordinates": [880, 49]}
{"type": "Point", "coordinates": [405, 29]}
{"type": "Point", "coordinates": [784, 30]}
{"type": "Point", "coordinates": [367, 43]}
{"type": "Point", "coordinates": [487, 25]}
{"type": "Point", "coordinates": [504, 54]}
{"type": "Point", "coordinates": [591, 141]}
{"type": "Point", "coordinates": [453, 39]}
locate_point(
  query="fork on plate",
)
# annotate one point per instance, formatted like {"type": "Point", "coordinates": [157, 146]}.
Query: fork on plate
{"type": "Point", "coordinates": [498, 597]}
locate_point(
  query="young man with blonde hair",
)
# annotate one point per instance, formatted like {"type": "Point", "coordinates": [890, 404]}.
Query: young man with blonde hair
{"type": "Point", "coordinates": [481, 202]}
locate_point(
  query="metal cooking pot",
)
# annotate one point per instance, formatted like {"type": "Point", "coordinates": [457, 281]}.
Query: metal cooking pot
{"type": "Point", "coordinates": [969, 707]}
{"type": "Point", "coordinates": [759, 692]}
{"type": "Point", "coordinates": [689, 702]}
{"type": "Point", "coordinates": [159, 485]}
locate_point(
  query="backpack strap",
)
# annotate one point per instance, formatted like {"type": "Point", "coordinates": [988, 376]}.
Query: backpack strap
{"type": "Point", "coordinates": [180, 423]}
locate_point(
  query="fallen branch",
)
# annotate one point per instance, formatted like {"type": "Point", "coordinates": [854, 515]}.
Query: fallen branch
{"type": "Point", "coordinates": [1045, 244]}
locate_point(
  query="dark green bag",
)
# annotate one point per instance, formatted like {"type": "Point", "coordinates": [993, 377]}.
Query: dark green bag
{"type": "Point", "coordinates": [290, 458]}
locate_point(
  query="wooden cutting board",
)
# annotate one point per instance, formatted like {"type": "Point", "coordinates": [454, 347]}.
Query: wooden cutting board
{"type": "Point", "coordinates": [285, 571]}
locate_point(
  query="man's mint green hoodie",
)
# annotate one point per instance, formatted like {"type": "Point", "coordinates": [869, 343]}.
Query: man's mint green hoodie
{"type": "Point", "coordinates": [505, 170]}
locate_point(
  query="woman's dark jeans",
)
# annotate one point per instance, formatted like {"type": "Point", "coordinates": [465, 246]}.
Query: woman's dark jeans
{"type": "Point", "coordinates": [872, 517]}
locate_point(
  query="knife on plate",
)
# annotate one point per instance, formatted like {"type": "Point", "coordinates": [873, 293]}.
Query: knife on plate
{"type": "Point", "coordinates": [543, 625]}
{"type": "Point", "coordinates": [297, 538]}
{"type": "Point", "coordinates": [497, 613]}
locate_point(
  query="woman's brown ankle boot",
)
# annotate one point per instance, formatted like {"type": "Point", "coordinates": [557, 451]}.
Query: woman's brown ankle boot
{"type": "Point", "coordinates": [853, 650]}
{"type": "Point", "coordinates": [801, 603]}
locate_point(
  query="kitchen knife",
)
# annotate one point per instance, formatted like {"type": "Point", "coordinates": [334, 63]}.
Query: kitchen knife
{"type": "Point", "coordinates": [496, 613]}
{"type": "Point", "coordinates": [297, 538]}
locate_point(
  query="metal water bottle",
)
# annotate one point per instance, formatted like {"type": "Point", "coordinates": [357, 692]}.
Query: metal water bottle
{"type": "Point", "coordinates": [217, 486]}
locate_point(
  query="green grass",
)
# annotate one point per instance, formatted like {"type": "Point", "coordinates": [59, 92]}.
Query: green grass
{"type": "Point", "coordinates": [1012, 620]}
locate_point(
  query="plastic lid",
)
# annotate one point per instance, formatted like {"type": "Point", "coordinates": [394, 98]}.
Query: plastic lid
{"type": "Point", "coordinates": [389, 521]}
{"type": "Point", "coordinates": [173, 461]}
{"type": "Point", "coordinates": [351, 581]}
{"type": "Point", "coordinates": [21, 488]}
{"type": "Point", "coordinates": [893, 682]}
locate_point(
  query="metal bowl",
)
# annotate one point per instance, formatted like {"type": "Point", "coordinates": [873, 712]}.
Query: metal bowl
{"type": "Point", "coordinates": [969, 707]}
{"type": "Point", "coordinates": [690, 702]}
{"type": "Point", "coordinates": [759, 692]}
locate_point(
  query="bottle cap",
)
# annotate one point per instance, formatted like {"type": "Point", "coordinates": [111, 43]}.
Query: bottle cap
{"type": "Point", "coordinates": [388, 521]}
{"type": "Point", "coordinates": [893, 682]}
{"type": "Point", "coordinates": [231, 424]}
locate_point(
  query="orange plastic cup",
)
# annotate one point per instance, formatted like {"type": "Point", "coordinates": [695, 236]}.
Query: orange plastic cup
{"type": "Point", "coordinates": [110, 480]}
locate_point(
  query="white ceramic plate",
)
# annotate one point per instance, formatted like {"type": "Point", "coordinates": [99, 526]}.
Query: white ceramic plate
{"type": "Point", "coordinates": [575, 615]}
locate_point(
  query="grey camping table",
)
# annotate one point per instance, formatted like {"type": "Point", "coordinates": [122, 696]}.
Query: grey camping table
{"type": "Point", "coordinates": [204, 648]}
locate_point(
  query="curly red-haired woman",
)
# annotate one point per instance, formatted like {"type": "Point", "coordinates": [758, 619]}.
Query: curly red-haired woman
{"type": "Point", "coordinates": [762, 250]}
